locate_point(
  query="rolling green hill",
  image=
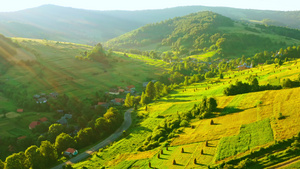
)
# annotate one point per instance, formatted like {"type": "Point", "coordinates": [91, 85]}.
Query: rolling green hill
{"type": "Point", "coordinates": [54, 67]}
{"type": "Point", "coordinates": [205, 32]}
{"type": "Point", "coordinates": [90, 27]}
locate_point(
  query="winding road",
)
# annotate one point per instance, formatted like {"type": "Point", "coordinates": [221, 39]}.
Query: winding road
{"type": "Point", "coordinates": [125, 125]}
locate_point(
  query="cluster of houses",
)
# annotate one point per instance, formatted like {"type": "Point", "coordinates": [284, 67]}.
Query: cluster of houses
{"type": "Point", "coordinates": [115, 92]}
{"type": "Point", "coordinates": [64, 119]}
{"type": "Point", "coordinates": [119, 90]}
{"type": "Point", "coordinates": [43, 97]}
{"type": "Point", "coordinates": [244, 66]}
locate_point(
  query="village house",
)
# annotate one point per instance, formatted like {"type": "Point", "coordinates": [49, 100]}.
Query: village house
{"type": "Point", "coordinates": [114, 91]}
{"type": "Point", "coordinates": [70, 152]}
{"type": "Point", "coordinates": [33, 124]}
{"type": "Point", "coordinates": [103, 104]}
{"type": "Point", "coordinates": [62, 121]}
{"type": "Point", "coordinates": [36, 96]}
{"type": "Point", "coordinates": [121, 90]}
{"type": "Point", "coordinates": [130, 87]}
{"type": "Point", "coordinates": [117, 101]}
{"type": "Point", "coordinates": [43, 119]}
{"type": "Point", "coordinates": [67, 116]}
{"type": "Point", "coordinates": [20, 110]}
{"type": "Point", "coordinates": [53, 95]}
{"type": "Point", "coordinates": [243, 67]}
{"type": "Point", "coordinates": [41, 100]}
{"type": "Point", "coordinates": [60, 111]}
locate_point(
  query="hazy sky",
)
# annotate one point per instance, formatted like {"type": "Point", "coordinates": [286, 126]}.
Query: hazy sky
{"type": "Point", "coordinates": [15, 5]}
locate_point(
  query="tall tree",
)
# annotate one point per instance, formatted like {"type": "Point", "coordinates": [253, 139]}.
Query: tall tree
{"type": "Point", "coordinates": [158, 89]}
{"type": "Point", "coordinates": [254, 84]}
{"type": "Point", "coordinates": [101, 126]}
{"type": "Point", "coordinates": [54, 131]}
{"type": "Point", "coordinates": [34, 158]}
{"type": "Point", "coordinates": [150, 90]}
{"type": "Point", "coordinates": [211, 104]}
{"type": "Point", "coordinates": [186, 80]}
{"type": "Point", "coordinates": [113, 117]}
{"type": "Point", "coordinates": [64, 141]}
{"type": "Point", "coordinates": [48, 152]}
{"type": "Point", "coordinates": [129, 100]}
{"type": "Point", "coordinates": [15, 161]}
{"type": "Point", "coordinates": [143, 99]}
{"type": "Point", "coordinates": [84, 137]}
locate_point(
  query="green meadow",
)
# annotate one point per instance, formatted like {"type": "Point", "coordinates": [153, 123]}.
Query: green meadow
{"type": "Point", "coordinates": [250, 136]}
{"type": "Point", "coordinates": [57, 69]}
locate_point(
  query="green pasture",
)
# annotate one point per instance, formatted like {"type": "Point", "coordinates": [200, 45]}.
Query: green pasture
{"type": "Point", "coordinates": [250, 136]}
{"type": "Point", "coordinates": [58, 70]}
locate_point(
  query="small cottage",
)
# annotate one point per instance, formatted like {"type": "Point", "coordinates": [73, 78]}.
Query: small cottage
{"type": "Point", "coordinates": [70, 152]}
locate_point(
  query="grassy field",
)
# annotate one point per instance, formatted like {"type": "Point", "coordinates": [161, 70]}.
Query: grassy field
{"type": "Point", "coordinates": [250, 136]}
{"type": "Point", "coordinates": [58, 70]}
{"type": "Point", "coordinates": [17, 124]}
{"type": "Point", "coordinates": [240, 116]}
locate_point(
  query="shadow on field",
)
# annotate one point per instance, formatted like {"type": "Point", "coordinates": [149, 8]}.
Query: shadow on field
{"type": "Point", "coordinates": [139, 128]}
{"type": "Point", "coordinates": [178, 164]}
{"type": "Point", "coordinates": [208, 154]}
{"type": "Point", "coordinates": [174, 100]}
{"type": "Point", "coordinates": [200, 164]}
{"type": "Point", "coordinates": [229, 110]}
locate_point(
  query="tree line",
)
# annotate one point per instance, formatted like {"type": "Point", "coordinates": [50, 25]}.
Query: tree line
{"type": "Point", "coordinates": [168, 128]}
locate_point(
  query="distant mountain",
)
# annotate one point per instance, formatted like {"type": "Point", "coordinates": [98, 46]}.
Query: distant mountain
{"type": "Point", "coordinates": [88, 26]}
{"type": "Point", "coordinates": [205, 32]}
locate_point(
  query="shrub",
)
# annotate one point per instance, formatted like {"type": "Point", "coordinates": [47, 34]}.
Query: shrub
{"type": "Point", "coordinates": [161, 139]}
{"type": "Point", "coordinates": [280, 116]}
{"type": "Point", "coordinates": [184, 123]}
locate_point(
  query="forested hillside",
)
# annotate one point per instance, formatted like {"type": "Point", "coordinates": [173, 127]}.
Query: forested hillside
{"type": "Point", "coordinates": [206, 32]}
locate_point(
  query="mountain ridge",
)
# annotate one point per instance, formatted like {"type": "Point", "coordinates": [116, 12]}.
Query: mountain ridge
{"type": "Point", "coordinates": [92, 26]}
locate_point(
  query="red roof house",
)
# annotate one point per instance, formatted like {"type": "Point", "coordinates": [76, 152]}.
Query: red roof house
{"type": "Point", "coordinates": [119, 100]}
{"type": "Point", "coordinates": [70, 152]}
{"type": "Point", "coordinates": [43, 119]}
{"type": "Point", "coordinates": [33, 124]}
{"type": "Point", "coordinates": [130, 87]}
{"type": "Point", "coordinates": [20, 110]}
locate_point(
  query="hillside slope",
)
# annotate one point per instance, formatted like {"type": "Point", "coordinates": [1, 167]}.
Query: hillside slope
{"type": "Point", "coordinates": [88, 27]}
{"type": "Point", "coordinates": [54, 67]}
{"type": "Point", "coordinates": [203, 32]}
{"type": "Point", "coordinates": [255, 112]}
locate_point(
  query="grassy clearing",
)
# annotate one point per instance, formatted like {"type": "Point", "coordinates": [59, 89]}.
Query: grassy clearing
{"type": "Point", "coordinates": [204, 56]}
{"type": "Point", "coordinates": [250, 136]}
